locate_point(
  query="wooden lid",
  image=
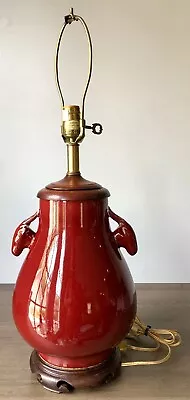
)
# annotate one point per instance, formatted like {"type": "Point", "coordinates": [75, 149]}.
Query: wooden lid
{"type": "Point", "coordinates": [73, 187]}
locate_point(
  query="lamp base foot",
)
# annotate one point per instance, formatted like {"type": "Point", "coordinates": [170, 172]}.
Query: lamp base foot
{"type": "Point", "coordinates": [64, 380]}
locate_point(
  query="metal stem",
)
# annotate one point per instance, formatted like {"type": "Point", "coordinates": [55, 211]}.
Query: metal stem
{"type": "Point", "coordinates": [73, 159]}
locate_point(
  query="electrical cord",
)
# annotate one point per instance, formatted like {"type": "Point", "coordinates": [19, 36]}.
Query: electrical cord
{"type": "Point", "coordinates": [164, 338]}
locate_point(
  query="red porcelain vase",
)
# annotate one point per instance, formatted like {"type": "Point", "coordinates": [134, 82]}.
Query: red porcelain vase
{"type": "Point", "coordinates": [74, 298]}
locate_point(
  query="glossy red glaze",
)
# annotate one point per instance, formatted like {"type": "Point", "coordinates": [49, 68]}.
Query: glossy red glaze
{"type": "Point", "coordinates": [124, 234]}
{"type": "Point", "coordinates": [74, 299]}
{"type": "Point", "coordinates": [23, 236]}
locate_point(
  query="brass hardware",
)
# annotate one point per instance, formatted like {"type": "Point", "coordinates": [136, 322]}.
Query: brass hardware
{"type": "Point", "coordinates": [68, 20]}
{"type": "Point", "coordinates": [71, 133]}
{"type": "Point", "coordinates": [70, 129]}
{"type": "Point", "coordinates": [73, 125]}
{"type": "Point", "coordinates": [96, 128]}
{"type": "Point", "coordinates": [73, 159]}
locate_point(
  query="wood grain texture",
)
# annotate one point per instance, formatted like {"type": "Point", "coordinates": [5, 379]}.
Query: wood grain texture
{"type": "Point", "coordinates": [162, 306]}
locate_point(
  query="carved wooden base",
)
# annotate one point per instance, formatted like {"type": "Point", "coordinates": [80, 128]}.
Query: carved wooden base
{"type": "Point", "coordinates": [61, 380]}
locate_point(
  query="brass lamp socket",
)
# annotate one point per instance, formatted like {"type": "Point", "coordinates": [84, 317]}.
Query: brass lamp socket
{"type": "Point", "coordinates": [71, 126]}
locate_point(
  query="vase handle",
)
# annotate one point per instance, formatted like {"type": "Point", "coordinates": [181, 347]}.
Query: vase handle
{"type": "Point", "coordinates": [24, 236]}
{"type": "Point", "coordinates": [124, 234]}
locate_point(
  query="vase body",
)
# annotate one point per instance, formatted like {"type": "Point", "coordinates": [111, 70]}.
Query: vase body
{"type": "Point", "coordinates": [74, 298]}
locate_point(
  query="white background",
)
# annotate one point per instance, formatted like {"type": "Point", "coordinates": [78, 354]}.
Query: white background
{"type": "Point", "coordinates": [140, 92]}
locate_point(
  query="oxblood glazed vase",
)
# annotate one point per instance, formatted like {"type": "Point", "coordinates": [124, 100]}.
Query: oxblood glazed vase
{"type": "Point", "coordinates": [74, 298]}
